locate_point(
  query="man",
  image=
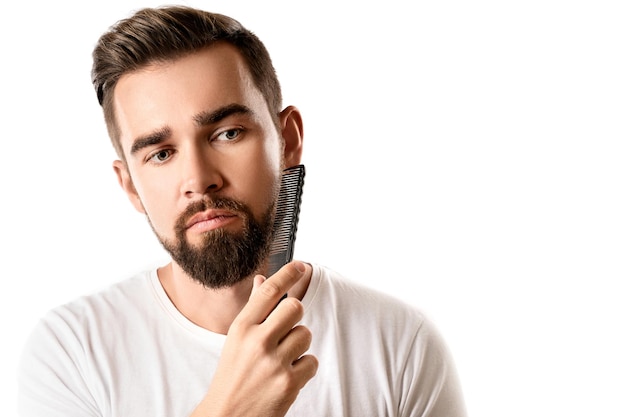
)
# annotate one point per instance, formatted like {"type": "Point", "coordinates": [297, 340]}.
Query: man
{"type": "Point", "coordinates": [194, 111]}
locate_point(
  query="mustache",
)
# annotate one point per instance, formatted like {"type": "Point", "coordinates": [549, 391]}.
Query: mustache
{"type": "Point", "coordinates": [208, 203]}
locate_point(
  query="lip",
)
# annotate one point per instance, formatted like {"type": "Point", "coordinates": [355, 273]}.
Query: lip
{"type": "Point", "coordinates": [210, 220]}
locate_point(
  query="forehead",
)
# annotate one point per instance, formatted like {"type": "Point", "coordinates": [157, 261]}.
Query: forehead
{"type": "Point", "coordinates": [173, 92]}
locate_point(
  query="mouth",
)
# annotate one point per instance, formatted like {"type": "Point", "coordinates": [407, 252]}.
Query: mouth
{"type": "Point", "coordinates": [210, 220]}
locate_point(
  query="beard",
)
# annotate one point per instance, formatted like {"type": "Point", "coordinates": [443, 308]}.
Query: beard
{"type": "Point", "coordinates": [222, 258]}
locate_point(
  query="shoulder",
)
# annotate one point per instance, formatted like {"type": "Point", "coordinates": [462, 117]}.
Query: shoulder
{"type": "Point", "coordinates": [71, 322]}
{"type": "Point", "coordinates": [363, 313]}
{"type": "Point", "coordinates": [57, 359]}
{"type": "Point", "coordinates": [128, 293]}
{"type": "Point", "coordinates": [349, 294]}
{"type": "Point", "coordinates": [360, 312]}
{"type": "Point", "coordinates": [399, 343]}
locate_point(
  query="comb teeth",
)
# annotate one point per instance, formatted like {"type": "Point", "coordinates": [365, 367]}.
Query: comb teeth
{"type": "Point", "coordinates": [287, 213]}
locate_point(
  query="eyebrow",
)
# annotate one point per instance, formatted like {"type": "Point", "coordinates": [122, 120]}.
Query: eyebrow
{"type": "Point", "coordinates": [201, 119]}
{"type": "Point", "coordinates": [207, 118]}
{"type": "Point", "coordinates": [150, 139]}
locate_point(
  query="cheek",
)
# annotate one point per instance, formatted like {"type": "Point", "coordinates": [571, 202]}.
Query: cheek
{"type": "Point", "coordinates": [274, 163]}
{"type": "Point", "coordinates": [156, 199]}
{"type": "Point", "coordinates": [275, 153]}
{"type": "Point", "coordinates": [257, 176]}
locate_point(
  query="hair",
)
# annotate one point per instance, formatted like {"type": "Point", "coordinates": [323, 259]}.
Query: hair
{"type": "Point", "coordinates": [162, 34]}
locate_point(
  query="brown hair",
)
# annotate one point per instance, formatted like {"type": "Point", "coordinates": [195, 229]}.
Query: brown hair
{"type": "Point", "coordinates": [165, 33]}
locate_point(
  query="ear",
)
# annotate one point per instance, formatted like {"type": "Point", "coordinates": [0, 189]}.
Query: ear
{"type": "Point", "coordinates": [126, 182]}
{"type": "Point", "coordinates": [292, 133]}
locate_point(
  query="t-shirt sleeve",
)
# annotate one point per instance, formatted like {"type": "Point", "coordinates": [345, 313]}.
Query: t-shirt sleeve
{"type": "Point", "coordinates": [432, 385]}
{"type": "Point", "coordinates": [52, 378]}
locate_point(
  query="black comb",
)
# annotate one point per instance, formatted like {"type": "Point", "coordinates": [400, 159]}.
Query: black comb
{"type": "Point", "coordinates": [286, 223]}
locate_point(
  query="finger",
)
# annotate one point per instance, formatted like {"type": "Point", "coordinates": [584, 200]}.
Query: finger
{"type": "Point", "coordinates": [282, 320]}
{"type": "Point", "coordinates": [256, 282]}
{"type": "Point", "coordinates": [267, 295]}
{"type": "Point", "coordinates": [294, 344]}
{"type": "Point", "coordinates": [304, 368]}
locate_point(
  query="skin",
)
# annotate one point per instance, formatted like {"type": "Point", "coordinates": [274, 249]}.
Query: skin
{"type": "Point", "coordinates": [172, 159]}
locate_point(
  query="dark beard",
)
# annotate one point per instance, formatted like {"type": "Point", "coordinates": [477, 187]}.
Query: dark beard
{"type": "Point", "coordinates": [223, 258]}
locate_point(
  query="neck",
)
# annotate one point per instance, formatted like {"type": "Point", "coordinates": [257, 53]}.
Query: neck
{"type": "Point", "coordinates": [212, 309]}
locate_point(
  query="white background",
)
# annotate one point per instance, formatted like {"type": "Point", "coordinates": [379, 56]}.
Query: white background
{"type": "Point", "coordinates": [467, 156]}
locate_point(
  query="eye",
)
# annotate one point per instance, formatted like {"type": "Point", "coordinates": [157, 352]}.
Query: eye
{"type": "Point", "coordinates": [160, 156]}
{"type": "Point", "coordinates": [229, 135]}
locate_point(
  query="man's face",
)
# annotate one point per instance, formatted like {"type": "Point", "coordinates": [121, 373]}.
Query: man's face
{"type": "Point", "coordinates": [203, 161]}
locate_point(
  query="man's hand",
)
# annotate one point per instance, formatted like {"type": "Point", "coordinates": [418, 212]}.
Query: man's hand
{"type": "Point", "coordinates": [263, 366]}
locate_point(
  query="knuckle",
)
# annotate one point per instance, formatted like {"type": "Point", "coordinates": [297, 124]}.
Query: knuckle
{"type": "Point", "coordinates": [295, 305]}
{"type": "Point", "coordinates": [314, 365]}
{"type": "Point", "coordinates": [269, 289]}
{"type": "Point", "coordinates": [290, 382]}
{"type": "Point", "coordinates": [307, 335]}
{"type": "Point", "coordinates": [301, 342]}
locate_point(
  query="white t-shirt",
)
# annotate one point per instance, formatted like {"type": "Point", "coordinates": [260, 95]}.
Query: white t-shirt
{"type": "Point", "coordinates": [128, 352]}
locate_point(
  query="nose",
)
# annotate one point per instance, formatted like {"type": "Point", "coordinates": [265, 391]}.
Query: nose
{"type": "Point", "coordinates": [200, 175]}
